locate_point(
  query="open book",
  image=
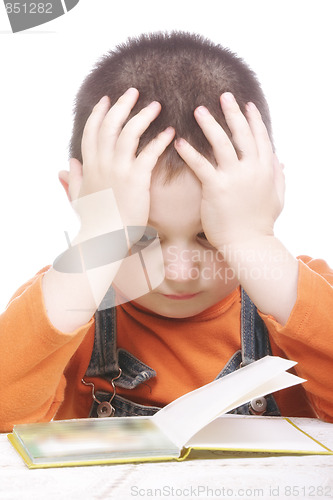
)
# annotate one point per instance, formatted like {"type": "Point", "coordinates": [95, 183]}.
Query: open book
{"type": "Point", "coordinates": [196, 421]}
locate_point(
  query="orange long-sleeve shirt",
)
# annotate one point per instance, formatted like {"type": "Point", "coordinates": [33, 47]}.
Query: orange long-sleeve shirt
{"type": "Point", "coordinates": [42, 368]}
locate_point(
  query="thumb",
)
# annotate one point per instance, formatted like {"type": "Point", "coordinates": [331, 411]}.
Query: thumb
{"type": "Point", "coordinates": [75, 178]}
{"type": "Point", "coordinates": [279, 180]}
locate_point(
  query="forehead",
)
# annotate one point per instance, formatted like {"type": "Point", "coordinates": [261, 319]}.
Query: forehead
{"type": "Point", "coordinates": [176, 202]}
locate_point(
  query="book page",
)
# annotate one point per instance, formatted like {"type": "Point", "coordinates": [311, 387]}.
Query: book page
{"type": "Point", "coordinates": [280, 381]}
{"type": "Point", "coordinates": [182, 418]}
{"type": "Point", "coordinates": [239, 432]}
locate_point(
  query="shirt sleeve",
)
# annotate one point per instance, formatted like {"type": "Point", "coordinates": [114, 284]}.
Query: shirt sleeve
{"type": "Point", "coordinates": [307, 337]}
{"type": "Point", "coordinates": [33, 357]}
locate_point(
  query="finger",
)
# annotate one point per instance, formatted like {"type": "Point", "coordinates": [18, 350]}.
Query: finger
{"type": "Point", "coordinates": [114, 121]}
{"type": "Point", "coordinates": [279, 179]}
{"type": "Point", "coordinates": [74, 179]}
{"type": "Point", "coordinates": [223, 149]}
{"type": "Point", "coordinates": [149, 156]}
{"type": "Point", "coordinates": [91, 130]}
{"type": "Point", "coordinates": [239, 127]}
{"type": "Point", "coordinates": [202, 168]}
{"type": "Point", "coordinates": [259, 132]}
{"type": "Point", "coordinates": [129, 138]}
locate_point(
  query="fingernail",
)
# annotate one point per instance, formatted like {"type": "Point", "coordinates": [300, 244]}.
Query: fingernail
{"type": "Point", "coordinates": [202, 110]}
{"type": "Point", "coordinates": [131, 90]}
{"type": "Point", "coordinates": [179, 142]}
{"type": "Point", "coordinates": [154, 104]}
{"type": "Point", "coordinates": [104, 99]}
{"type": "Point", "coordinates": [228, 97]}
{"type": "Point", "coordinates": [251, 106]}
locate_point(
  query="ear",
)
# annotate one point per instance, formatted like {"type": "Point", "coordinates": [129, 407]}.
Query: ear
{"type": "Point", "coordinates": [63, 176]}
{"type": "Point", "coordinates": [72, 180]}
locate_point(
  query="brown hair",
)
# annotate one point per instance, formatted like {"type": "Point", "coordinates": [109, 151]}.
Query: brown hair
{"type": "Point", "coordinates": [181, 71]}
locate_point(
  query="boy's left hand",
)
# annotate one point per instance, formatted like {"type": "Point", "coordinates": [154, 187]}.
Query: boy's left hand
{"type": "Point", "coordinates": [243, 194]}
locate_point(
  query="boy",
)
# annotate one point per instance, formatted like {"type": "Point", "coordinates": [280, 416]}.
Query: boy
{"type": "Point", "coordinates": [171, 136]}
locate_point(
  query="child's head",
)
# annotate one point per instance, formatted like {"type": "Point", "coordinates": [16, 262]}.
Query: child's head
{"type": "Point", "coordinates": [179, 70]}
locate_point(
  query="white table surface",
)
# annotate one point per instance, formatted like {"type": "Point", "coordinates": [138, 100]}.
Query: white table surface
{"type": "Point", "coordinates": [302, 477]}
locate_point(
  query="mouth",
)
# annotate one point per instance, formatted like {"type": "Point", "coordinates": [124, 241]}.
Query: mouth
{"type": "Point", "coordinates": [181, 296]}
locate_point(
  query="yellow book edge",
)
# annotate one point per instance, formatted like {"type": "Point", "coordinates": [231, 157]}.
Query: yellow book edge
{"type": "Point", "coordinates": [186, 453]}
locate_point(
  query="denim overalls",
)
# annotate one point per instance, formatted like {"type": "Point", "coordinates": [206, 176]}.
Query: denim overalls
{"type": "Point", "coordinates": [106, 360]}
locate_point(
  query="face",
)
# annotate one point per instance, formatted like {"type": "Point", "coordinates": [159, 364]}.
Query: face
{"type": "Point", "coordinates": [195, 275]}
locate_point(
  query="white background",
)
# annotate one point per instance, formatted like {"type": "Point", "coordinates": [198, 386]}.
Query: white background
{"type": "Point", "coordinates": [287, 42]}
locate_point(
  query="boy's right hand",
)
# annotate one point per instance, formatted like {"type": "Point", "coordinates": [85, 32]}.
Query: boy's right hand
{"type": "Point", "coordinates": [110, 190]}
{"type": "Point", "coordinates": [110, 160]}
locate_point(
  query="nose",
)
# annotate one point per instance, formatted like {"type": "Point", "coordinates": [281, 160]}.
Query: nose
{"type": "Point", "coordinates": [181, 264]}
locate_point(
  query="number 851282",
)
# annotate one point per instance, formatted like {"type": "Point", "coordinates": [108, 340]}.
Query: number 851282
{"type": "Point", "coordinates": [28, 8]}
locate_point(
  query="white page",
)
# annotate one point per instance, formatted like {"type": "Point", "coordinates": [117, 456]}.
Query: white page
{"type": "Point", "coordinates": [182, 418]}
{"type": "Point", "coordinates": [280, 381]}
{"type": "Point", "coordinates": [253, 433]}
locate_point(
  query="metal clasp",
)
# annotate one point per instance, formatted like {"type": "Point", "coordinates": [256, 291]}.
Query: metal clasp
{"type": "Point", "coordinates": [104, 408]}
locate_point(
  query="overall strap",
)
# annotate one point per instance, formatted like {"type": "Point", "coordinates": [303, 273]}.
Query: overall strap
{"type": "Point", "coordinates": [254, 334]}
{"type": "Point", "coordinates": [255, 345]}
{"type": "Point", "coordinates": [106, 359]}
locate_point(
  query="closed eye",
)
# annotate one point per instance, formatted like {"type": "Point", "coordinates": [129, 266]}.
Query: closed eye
{"type": "Point", "coordinates": [203, 240]}
{"type": "Point", "coordinates": [147, 237]}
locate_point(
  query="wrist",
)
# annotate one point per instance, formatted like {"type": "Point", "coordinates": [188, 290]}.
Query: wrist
{"type": "Point", "coordinates": [268, 273]}
{"type": "Point", "coordinates": [247, 249]}
{"type": "Point", "coordinates": [259, 258]}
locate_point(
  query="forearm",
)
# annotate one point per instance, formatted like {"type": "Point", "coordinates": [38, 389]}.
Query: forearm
{"type": "Point", "coordinates": [267, 272]}
{"type": "Point", "coordinates": [72, 299]}
{"type": "Point", "coordinates": [33, 356]}
{"type": "Point", "coordinates": [306, 337]}
{"type": "Point", "coordinates": [79, 278]}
